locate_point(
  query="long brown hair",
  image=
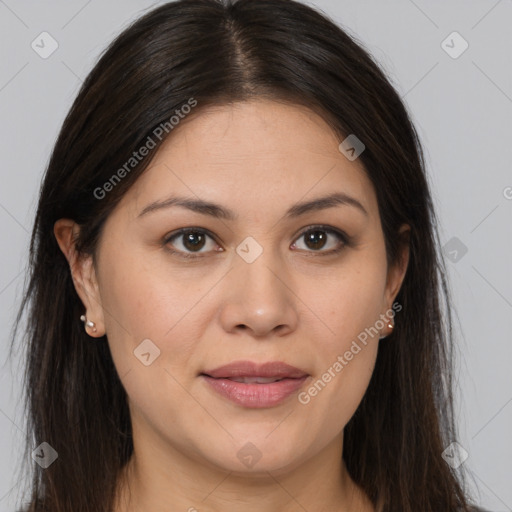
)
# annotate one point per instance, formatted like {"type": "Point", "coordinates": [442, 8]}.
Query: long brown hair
{"type": "Point", "coordinates": [217, 52]}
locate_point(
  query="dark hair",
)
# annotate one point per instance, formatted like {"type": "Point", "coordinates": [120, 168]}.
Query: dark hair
{"type": "Point", "coordinates": [218, 52]}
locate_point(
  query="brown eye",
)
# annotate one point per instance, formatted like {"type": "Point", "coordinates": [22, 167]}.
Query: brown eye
{"type": "Point", "coordinates": [189, 241]}
{"type": "Point", "coordinates": [318, 237]}
{"type": "Point", "coordinates": [315, 239]}
{"type": "Point", "coordinates": [193, 240]}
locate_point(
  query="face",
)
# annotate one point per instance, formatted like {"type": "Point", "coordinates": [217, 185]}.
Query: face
{"type": "Point", "coordinates": [263, 284]}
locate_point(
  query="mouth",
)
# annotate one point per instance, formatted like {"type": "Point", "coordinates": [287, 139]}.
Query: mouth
{"type": "Point", "coordinates": [274, 370]}
{"type": "Point", "coordinates": [252, 380]}
{"type": "Point", "coordinates": [254, 385]}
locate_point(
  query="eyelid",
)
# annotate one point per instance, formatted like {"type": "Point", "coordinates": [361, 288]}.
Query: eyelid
{"type": "Point", "coordinates": [345, 239]}
{"type": "Point", "coordinates": [323, 227]}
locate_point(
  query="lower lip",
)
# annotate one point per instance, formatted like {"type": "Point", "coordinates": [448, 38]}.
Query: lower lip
{"type": "Point", "coordinates": [255, 395]}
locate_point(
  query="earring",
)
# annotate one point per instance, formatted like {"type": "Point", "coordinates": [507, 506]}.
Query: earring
{"type": "Point", "coordinates": [390, 326]}
{"type": "Point", "coordinates": [88, 323]}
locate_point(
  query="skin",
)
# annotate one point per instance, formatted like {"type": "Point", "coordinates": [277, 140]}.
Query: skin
{"type": "Point", "coordinates": [291, 304]}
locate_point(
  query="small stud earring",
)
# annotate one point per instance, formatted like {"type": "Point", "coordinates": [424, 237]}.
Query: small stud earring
{"type": "Point", "coordinates": [390, 326]}
{"type": "Point", "coordinates": [88, 323]}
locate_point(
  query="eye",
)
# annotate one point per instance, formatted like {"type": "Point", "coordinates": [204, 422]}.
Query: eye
{"type": "Point", "coordinates": [191, 239]}
{"type": "Point", "coordinates": [316, 237]}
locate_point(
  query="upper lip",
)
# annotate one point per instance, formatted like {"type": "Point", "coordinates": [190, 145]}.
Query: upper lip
{"type": "Point", "coordinates": [251, 369]}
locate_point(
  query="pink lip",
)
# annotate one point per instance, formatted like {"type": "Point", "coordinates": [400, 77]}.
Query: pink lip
{"type": "Point", "coordinates": [255, 395]}
{"type": "Point", "coordinates": [249, 369]}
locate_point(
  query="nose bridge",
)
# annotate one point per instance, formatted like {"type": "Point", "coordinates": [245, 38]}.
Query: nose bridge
{"type": "Point", "coordinates": [260, 268]}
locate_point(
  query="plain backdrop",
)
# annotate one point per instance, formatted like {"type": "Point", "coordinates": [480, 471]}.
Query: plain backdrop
{"type": "Point", "coordinates": [461, 104]}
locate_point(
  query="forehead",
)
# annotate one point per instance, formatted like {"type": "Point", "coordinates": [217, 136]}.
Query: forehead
{"type": "Point", "coordinates": [256, 153]}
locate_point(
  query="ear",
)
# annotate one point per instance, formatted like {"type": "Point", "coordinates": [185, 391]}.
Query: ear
{"type": "Point", "coordinates": [396, 272]}
{"type": "Point", "coordinates": [83, 273]}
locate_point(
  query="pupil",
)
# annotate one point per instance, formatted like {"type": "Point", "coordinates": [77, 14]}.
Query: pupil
{"type": "Point", "coordinates": [317, 238]}
{"type": "Point", "coordinates": [189, 239]}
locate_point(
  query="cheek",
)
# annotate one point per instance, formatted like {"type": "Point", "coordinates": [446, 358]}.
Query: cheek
{"type": "Point", "coordinates": [150, 305]}
{"type": "Point", "coordinates": [142, 294]}
{"type": "Point", "coordinates": [345, 357]}
{"type": "Point", "coordinates": [350, 301]}
{"type": "Point", "coordinates": [142, 302]}
{"type": "Point", "coordinates": [348, 305]}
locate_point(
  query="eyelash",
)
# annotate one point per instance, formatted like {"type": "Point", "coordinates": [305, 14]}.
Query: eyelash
{"type": "Point", "coordinates": [343, 237]}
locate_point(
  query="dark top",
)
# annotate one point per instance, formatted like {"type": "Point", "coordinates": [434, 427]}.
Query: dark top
{"type": "Point", "coordinates": [475, 509]}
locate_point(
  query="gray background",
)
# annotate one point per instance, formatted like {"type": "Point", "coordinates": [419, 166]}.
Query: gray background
{"type": "Point", "coordinates": [461, 106]}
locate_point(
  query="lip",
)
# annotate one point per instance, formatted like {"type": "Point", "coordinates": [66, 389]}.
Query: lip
{"type": "Point", "coordinates": [250, 369]}
{"type": "Point", "coordinates": [255, 395]}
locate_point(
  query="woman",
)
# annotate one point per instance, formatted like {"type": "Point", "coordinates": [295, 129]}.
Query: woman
{"type": "Point", "coordinates": [236, 294]}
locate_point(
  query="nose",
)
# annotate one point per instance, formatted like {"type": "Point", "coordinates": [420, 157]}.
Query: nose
{"type": "Point", "coordinates": [259, 298]}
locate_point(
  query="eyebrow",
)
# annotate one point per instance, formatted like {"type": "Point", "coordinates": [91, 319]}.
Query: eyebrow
{"type": "Point", "coordinates": [215, 210]}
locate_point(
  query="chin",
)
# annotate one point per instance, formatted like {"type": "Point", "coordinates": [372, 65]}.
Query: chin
{"type": "Point", "coordinates": [256, 458]}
